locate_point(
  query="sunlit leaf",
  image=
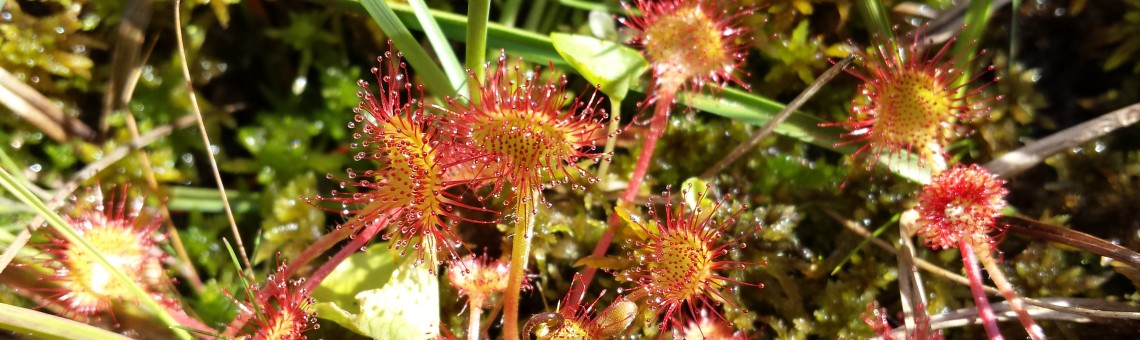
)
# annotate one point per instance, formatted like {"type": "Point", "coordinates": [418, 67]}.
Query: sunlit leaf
{"type": "Point", "coordinates": [610, 66]}
{"type": "Point", "coordinates": [380, 295]}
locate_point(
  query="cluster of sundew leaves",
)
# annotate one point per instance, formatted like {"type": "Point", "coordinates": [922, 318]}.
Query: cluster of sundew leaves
{"type": "Point", "coordinates": [871, 209]}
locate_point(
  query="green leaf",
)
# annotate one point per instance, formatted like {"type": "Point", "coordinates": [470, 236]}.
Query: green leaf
{"type": "Point", "coordinates": [360, 272]}
{"type": "Point", "coordinates": [610, 66]}
{"type": "Point", "coordinates": [371, 294]}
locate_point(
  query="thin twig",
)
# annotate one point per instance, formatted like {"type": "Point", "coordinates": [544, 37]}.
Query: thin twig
{"type": "Point", "coordinates": [185, 266]}
{"type": "Point", "coordinates": [969, 316]}
{"type": "Point", "coordinates": [1073, 239]}
{"type": "Point", "coordinates": [38, 110]}
{"type": "Point", "coordinates": [962, 280]}
{"type": "Point", "coordinates": [1017, 161]}
{"type": "Point", "coordinates": [743, 148]}
{"type": "Point", "coordinates": [205, 136]}
{"type": "Point", "coordinates": [911, 289]}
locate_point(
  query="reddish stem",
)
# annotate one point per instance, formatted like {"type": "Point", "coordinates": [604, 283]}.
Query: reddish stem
{"type": "Point", "coordinates": [319, 247]}
{"type": "Point", "coordinates": [321, 273]}
{"type": "Point", "coordinates": [974, 273]}
{"type": "Point", "coordinates": [985, 252]}
{"type": "Point", "coordinates": [657, 127]}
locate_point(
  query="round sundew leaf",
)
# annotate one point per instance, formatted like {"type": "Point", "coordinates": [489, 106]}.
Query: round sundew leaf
{"type": "Point", "coordinates": [609, 65]}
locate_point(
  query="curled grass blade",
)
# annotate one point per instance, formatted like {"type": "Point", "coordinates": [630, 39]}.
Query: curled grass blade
{"type": "Point", "coordinates": [1074, 239]}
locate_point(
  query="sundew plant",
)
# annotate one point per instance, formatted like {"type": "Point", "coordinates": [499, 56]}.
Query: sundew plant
{"type": "Point", "coordinates": [571, 169]}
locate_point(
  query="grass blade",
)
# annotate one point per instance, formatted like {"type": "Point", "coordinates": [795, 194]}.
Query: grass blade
{"type": "Point", "coordinates": [434, 77]}
{"type": "Point", "coordinates": [748, 108]}
{"type": "Point", "coordinates": [509, 13]}
{"type": "Point", "coordinates": [533, 47]}
{"type": "Point", "coordinates": [478, 12]}
{"type": "Point", "coordinates": [875, 16]}
{"type": "Point", "coordinates": [438, 41]}
{"type": "Point", "coordinates": [977, 16]}
{"type": "Point", "coordinates": [46, 326]}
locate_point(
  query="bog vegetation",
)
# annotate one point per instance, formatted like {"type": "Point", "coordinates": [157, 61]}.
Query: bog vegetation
{"type": "Point", "coordinates": [572, 169]}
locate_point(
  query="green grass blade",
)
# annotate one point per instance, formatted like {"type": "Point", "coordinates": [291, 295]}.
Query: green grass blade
{"type": "Point", "coordinates": [537, 11]}
{"type": "Point", "coordinates": [439, 43]}
{"type": "Point", "coordinates": [1014, 33]}
{"type": "Point", "coordinates": [966, 47]}
{"type": "Point", "coordinates": [509, 13]}
{"type": "Point", "coordinates": [478, 12]}
{"type": "Point", "coordinates": [611, 7]}
{"type": "Point", "coordinates": [434, 77]}
{"type": "Point", "coordinates": [7, 163]}
{"type": "Point", "coordinates": [59, 225]}
{"type": "Point", "coordinates": [874, 14]}
{"type": "Point", "coordinates": [41, 325]}
{"type": "Point", "coordinates": [245, 286]}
